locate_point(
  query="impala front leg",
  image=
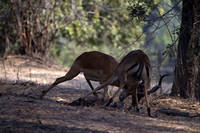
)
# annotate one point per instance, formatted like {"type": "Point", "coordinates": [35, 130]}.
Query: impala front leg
{"type": "Point", "coordinates": [111, 99]}
{"type": "Point", "coordinates": [56, 82]}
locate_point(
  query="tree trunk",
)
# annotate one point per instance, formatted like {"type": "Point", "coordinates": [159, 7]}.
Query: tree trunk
{"type": "Point", "coordinates": [2, 49]}
{"type": "Point", "coordinates": [196, 37]}
{"type": "Point", "coordinates": [186, 79]}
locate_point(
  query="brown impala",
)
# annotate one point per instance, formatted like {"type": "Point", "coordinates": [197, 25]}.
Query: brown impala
{"type": "Point", "coordinates": [133, 71]}
{"type": "Point", "coordinates": [96, 66]}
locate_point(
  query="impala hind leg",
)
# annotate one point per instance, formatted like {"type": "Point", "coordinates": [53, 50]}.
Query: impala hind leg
{"type": "Point", "coordinates": [92, 88]}
{"type": "Point", "coordinates": [111, 99]}
{"type": "Point", "coordinates": [134, 103]}
{"type": "Point", "coordinates": [105, 93]}
{"type": "Point", "coordinates": [147, 100]}
{"type": "Point", "coordinates": [147, 103]}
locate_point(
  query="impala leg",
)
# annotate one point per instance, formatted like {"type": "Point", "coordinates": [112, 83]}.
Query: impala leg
{"type": "Point", "coordinates": [56, 82]}
{"type": "Point", "coordinates": [147, 102]}
{"type": "Point", "coordinates": [92, 88]}
{"type": "Point", "coordinates": [105, 93]}
{"type": "Point", "coordinates": [135, 100]}
{"type": "Point", "coordinates": [82, 99]}
{"type": "Point", "coordinates": [124, 94]}
{"type": "Point", "coordinates": [123, 81]}
{"type": "Point", "coordinates": [111, 99]}
{"type": "Point", "coordinates": [95, 90]}
{"type": "Point", "coordinates": [106, 83]}
{"type": "Point", "coordinates": [73, 72]}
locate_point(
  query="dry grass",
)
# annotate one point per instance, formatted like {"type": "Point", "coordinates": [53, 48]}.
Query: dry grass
{"type": "Point", "coordinates": [22, 114]}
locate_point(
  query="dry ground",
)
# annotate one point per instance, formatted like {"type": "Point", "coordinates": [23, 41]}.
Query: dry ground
{"type": "Point", "coordinates": [19, 113]}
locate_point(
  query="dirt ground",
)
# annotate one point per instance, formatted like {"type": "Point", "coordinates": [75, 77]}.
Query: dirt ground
{"type": "Point", "coordinates": [23, 78]}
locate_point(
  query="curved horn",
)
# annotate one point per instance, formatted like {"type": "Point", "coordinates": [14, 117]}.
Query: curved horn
{"type": "Point", "coordinates": [161, 78]}
{"type": "Point", "coordinates": [156, 87]}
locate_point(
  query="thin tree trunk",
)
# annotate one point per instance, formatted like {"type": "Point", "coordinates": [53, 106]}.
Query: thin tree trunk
{"type": "Point", "coordinates": [196, 36]}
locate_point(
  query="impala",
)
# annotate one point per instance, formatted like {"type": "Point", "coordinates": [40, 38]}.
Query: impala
{"type": "Point", "coordinates": [95, 66]}
{"type": "Point", "coordinates": [132, 72]}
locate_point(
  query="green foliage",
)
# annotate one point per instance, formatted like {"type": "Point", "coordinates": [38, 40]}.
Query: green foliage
{"type": "Point", "coordinates": [72, 27]}
{"type": "Point", "coordinates": [162, 36]}
{"type": "Point", "coordinates": [140, 10]}
{"type": "Point", "coordinates": [115, 27]}
{"type": "Point", "coordinates": [97, 25]}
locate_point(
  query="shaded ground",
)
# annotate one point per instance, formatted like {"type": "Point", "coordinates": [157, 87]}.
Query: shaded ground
{"type": "Point", "coordinates": [19, 113]}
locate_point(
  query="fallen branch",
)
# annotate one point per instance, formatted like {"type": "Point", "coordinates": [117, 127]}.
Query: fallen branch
{"type": "Point", "coordinates": [174, 112]}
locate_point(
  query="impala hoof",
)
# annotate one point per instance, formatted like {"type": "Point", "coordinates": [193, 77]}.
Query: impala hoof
{"type": "Point", "coordinates": [76, 102]}
{"type": "Point", "coordinates": [149, 111]}
{"type": "Point", "coordinates": [95, 94]}
{"type": "Point", "coordinates": [109, 102]}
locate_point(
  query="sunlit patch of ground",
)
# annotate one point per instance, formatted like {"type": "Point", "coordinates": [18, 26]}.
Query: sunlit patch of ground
{"type": "Point", "coordinates": [19, 113]}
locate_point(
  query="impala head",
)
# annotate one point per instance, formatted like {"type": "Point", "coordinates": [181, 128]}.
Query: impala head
{"type": "Point", "coordinates": [129, 88]}
{"type": "Point", "coordinates": [123, 94]}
